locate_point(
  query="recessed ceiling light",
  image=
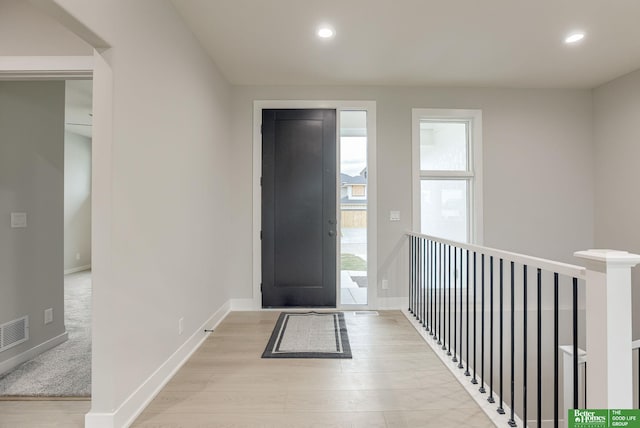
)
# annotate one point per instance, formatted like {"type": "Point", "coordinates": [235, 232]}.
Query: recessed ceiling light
{"type": "Point", "coordinates": [326, 32]}
{"type": "Point", "coordinates": [574, 37]}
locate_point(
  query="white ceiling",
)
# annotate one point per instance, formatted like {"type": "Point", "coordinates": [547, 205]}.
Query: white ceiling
{"type": "Point", "coordinates": [479, 43]}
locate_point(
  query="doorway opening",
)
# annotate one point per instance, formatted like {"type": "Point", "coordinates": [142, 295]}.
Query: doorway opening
{"type": "Point", "coordinates": [51, 143]}
{"type": "Point", "coordinates": [363, 247]}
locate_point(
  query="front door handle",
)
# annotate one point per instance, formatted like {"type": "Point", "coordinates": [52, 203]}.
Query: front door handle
{"type": "Point", "coordinates": [332, 233]}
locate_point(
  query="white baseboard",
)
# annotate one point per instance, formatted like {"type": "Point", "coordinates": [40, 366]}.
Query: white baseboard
{"type": "Point", "coordinates": [13, 362]}
{"type": "Point", "coordinates": [77, 269]}
{"type": "Point", "coordinates": [99, 420]}
{"type": "Point", "coordinates": [131, 408]}
{"type": "Point", "coordinates": [481, 399]}
{"type": "Point", "coordinates": [383, 303]}
{"type": "Point", "coordinates": [243, 305]}
{"type": "Point", "coordinates": [548, 423]}
{"type": "Point", "coordinates": [392, 303]}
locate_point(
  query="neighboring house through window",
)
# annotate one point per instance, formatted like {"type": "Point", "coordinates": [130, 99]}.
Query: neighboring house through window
{"type": "Point", "coordinates": [353, 200]}
{"type": "Point", "coordinates": [358, 190]}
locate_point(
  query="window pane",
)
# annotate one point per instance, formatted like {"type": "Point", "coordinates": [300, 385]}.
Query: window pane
{"type": "Point", "coordinates": [444, 210]}
{"type": "Point", "coordinates": [443, 146]}
{"type": "Point", "coordinates": [353, 208]}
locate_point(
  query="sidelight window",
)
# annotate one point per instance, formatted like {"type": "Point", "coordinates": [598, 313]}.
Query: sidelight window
{"type": "Point", "coordinates": [353, 208]}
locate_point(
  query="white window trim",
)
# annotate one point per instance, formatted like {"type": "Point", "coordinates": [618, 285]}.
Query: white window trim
{"type": "Point", "coordinates": [474, 117]}
{"type": "Point", "coordinates": [372, 240]}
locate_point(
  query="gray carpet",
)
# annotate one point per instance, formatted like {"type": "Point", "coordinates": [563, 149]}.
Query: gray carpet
{"type": "Point", "coordinates": [64, 371]}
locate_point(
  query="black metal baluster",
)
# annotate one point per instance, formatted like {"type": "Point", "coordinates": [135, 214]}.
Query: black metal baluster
{"type": "Point", "coordinates": [482, 390]}
{"type": "Point", "coordinates": [539, 299]}
{"type": "Point", "coordinates": [525, 309]}
{"type": "Point", "coordinates": [434, 296]}
{"type": "Point", "coordinates": [475, 307]}
{"type": "Point", "coordinates": [434, 284]}
{"type": "Point", "coordinates": [415, 277]}
{"type": "Point", "coordinates": [490, 399]}
{"type": "Point", "coordinates": [411, 274]}
{"type": "Point", "coordinates": [500, 409]}
{"type": "Point", "coordinates": [427, 283]}
{"type": "Point", "coordinates": [575, 343]}
{"type": "Point", "coordinates": [432, 277]}
{"type": "Point", "coordinates": [425, 274]}
{"type": "Point", "coordinates": [441, 280]}
{"type": "Point", "coordinates": [460, 365]}
{"type": "Point", "coordinates": [420, 275]}
{"type": "Point", "coordinates": [512, 421]}
{"type": "Point", "coordinates": [466, 372]}
{"type": "Point", "coordinates": [448, 348]}
{"type": "Point", "coordinates": [416, 295]}
{"type": "Point", "coordinates": [444, 299]}
{"type": "Point", "coordinates": [455, 302]}
{"type": "Point", "coordinates": [434, 270]}
{"type": "Point", "coordinates": [555, 350]}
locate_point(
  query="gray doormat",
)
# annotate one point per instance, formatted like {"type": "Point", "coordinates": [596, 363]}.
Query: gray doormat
{"type": "Point", "coordinates": [309, 335]}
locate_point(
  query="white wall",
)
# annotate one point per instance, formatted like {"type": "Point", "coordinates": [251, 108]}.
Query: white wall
{"type": "Point", "coordinates": [25, 30]}
{"type": "Point", "coordinates": [617, 136]}
{"type": "Point", "coordinates": [169, 198]}
{"type": "Point", "coordinates": [77, 201]}
{"type": "Point", "coordinates": [538, 168]}
{"type": "Point", "coordinates": [31, 181]}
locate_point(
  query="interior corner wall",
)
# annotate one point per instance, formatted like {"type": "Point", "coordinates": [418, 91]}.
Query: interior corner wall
{"type": "Point", "coordinates": [169, 210]}
{"type": "Point", "coordinates": [77, 202]}
{"type": "Point", "coordinates": [537, 157]}
{"type": "Point", "coordinates": [617, 221]}
{"type": "Point", "coordinates": [26, 31]}
{"type": "Point", "coordinates": [31, 182]}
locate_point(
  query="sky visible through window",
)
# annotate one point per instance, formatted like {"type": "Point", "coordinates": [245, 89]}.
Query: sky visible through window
{"type": "Point", "coordinates": [352, 149]}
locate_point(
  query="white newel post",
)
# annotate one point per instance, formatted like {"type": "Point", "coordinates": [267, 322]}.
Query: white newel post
{"type": "Point", "coordinates": [608, 328]}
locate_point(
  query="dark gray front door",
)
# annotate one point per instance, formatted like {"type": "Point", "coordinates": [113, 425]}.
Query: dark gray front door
{"type": "Point", "coordinates": [298, 208]}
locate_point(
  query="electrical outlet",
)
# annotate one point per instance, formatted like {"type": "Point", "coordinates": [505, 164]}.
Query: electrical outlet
{"type": "Point", "coordinates": [180, 325]}
{"type": "Point", "coordinates": [385, 284]}
{"type": "Point", "coordinates": [77, 256]}
{"type": "Point", "coordinates": [48, 316]}
{"type": "Point", "coordinates": [18, 220]}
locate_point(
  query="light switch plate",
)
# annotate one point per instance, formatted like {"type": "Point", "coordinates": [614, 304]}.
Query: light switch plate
{"type": "Point", "coordinates": [48, 316]}
{"type": "Point", "coordinates": [18, 220]}
{"type": "Point", "coordinates": [394, 215]}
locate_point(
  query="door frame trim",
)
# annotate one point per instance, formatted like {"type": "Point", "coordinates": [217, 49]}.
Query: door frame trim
{"type": "Point", "coordinates": [372, 240]}
{"type": "Point", "coordinates": [46, 67]}
{"type": "Point", "coordinates": [98, 69]}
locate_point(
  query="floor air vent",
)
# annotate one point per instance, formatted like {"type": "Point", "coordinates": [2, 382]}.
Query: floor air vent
{"type": "Point", "coordinates": [14, 333]}
{"type": "Point", "coordinates": [369, 313]}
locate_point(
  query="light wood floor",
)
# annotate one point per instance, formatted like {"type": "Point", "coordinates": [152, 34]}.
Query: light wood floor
{"type": "Point", "coordinates": [394, 380]}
